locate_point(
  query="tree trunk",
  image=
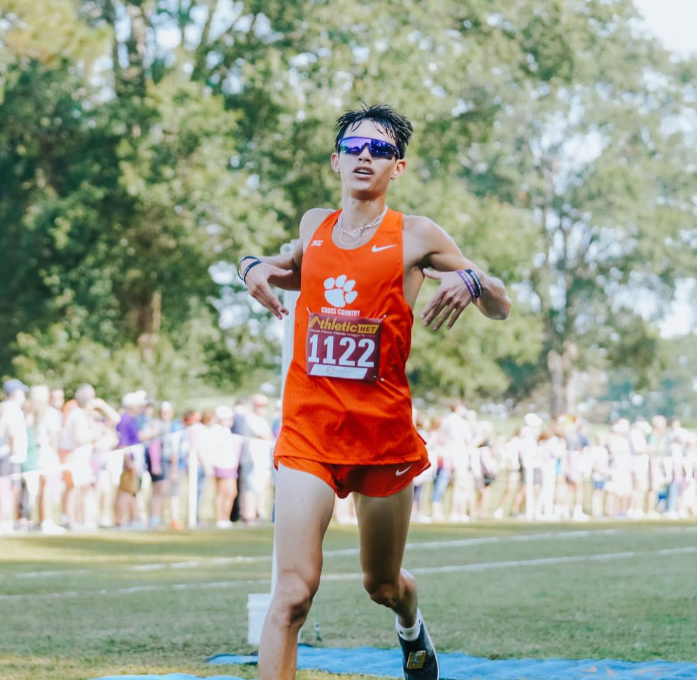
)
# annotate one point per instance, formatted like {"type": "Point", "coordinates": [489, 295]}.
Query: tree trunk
{"type": "Point", "coordinates": [562, 379]}
{"type": "Point", "coordinates": [136, 44]}
{"type": "Point", "coordinates": [558, 381]}
{"type": "Point", "coordinates": [149, 319]}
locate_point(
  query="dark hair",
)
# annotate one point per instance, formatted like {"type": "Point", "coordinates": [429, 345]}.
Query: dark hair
{"type": "Point", "coordinates": [384, 116]}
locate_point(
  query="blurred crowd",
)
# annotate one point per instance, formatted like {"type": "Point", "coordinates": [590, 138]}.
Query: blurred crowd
{"type": "Point", "coordinates": [81, 464]}
{"type": "Point", "coordinates": [555, 469]}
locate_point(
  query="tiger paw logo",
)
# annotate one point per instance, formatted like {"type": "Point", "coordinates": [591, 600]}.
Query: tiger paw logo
{"type": "Point", "coordinates": [338, 292]}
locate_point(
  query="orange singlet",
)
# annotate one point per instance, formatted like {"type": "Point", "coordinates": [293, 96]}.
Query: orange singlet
{"type": "Point", "coordinates": [346, 399]}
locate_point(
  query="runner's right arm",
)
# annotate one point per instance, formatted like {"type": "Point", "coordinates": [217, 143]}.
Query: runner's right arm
{"type": "Point", "coordinates": [280, 270]}
{"type": "Point", "coordinates": [283, 270]}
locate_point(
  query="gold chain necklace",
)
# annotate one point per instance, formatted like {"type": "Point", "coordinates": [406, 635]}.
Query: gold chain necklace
{"type": "Point", "coordinates": [357, 233]}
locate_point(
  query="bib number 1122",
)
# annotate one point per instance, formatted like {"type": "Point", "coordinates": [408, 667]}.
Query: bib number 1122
{"type": "Point", "coordinates": [339, 348]}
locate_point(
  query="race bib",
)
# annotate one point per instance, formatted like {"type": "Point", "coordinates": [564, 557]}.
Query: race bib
{"type": "Point", "coordinates": [343, 348]}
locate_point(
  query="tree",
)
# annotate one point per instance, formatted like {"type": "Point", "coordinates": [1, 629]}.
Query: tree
{"type": "Point", "coordinates": [119, 198]}
{"type": "Point", "coordinates": [598, 148]}
{"type": "Point", "coordinates": [554, 141]}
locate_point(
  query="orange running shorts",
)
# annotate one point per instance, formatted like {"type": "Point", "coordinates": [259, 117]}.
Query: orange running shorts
{"type": "Point", "coordinates": [369, 480]}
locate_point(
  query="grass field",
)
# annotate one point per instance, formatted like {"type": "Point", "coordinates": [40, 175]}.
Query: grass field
{"type": "Point", "coordinates": [115, 602]}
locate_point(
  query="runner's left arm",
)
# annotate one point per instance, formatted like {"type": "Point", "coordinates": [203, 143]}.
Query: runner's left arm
{"type": "Point", "coordinates": [454, 294]}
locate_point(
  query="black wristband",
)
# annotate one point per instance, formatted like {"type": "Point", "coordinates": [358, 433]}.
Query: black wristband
{"type": "Point", "coordinates": [246, 271]}
{"type": "Point", "coordinates": [246, 257]}
{"type": "Point", "coordinates": [477, 283]}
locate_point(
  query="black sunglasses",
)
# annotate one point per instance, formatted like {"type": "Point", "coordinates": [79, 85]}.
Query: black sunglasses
{"type": "Point", "coordinates": [377, 147]}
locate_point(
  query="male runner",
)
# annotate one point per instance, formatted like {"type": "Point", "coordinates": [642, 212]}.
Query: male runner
{"type": "Point", "coordinates": [347, 414]}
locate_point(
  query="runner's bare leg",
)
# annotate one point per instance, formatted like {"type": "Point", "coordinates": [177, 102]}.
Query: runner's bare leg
{"type": "Point", "coordinates": [304, 506]}
{"type": "Point", "coordinates": [383, 525]}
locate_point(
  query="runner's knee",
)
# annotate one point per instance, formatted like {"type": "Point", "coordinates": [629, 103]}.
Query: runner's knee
{"type": "Point", "coordinates": [293, 598]}
{"type": "Point", "coordinates": [386, 593]}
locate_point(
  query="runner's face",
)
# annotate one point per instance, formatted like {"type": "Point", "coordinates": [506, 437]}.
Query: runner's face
{"type": "Point", "coordinates": [364, 175]}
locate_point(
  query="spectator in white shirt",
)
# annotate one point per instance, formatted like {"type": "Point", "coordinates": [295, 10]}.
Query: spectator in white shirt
{"type": "Point", "coordinates": [81, 431]}
{"type": "Point", "coordinates": [13, 451]}
{"type": "Point", "coordinates": [258, 471]}
{"type": "Point", "coordinates": [225, 457]}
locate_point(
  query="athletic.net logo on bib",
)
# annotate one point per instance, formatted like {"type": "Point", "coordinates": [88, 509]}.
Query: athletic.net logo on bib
{"type": "Point", "coordinates": [343, 348]}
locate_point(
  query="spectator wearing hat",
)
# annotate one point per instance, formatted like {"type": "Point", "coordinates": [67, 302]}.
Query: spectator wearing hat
{"type": "Point", "coordinates": [84, 426]}
{"type": "Point", "coordinates": [13, 451]}
{"type": "Point", "coordinates": [258, 472]}
{"type": "Point", "coordinates": [105, 470]}
{"type": "Point", "coordinates": [530, 461]}
{"type": "Point", "coordinates": [226, 448]}
{"type": "Point", "coordinates": [130, 439]}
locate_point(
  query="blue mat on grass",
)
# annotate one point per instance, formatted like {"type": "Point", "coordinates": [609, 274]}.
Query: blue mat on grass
{"type": "Point", "coordinates": [387, 663]}
{"type": "Point", "coordinates": [170, 676]}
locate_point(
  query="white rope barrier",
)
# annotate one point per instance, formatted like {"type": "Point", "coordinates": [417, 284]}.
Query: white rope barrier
{"type": "Point", "coordinates": [133, 448]}
{"type": "Point", "coordinates": [80, 465]}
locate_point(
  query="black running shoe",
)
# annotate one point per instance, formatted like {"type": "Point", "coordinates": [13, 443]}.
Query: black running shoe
{"type": "Point", "coordinates": [420, 661]}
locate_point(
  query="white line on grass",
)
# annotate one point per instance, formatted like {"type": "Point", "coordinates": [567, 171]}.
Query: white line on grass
{"type": "Point", "coordinates": [47, 574]}
{"type": "Point", "coordinates": [477, 566]}
{"type": "Point", "coordinates": [157, 566]}
{"type": "Point", "coordinates": [553, 560]}
{"type": "Point", "coordinates": [346, 552]}
{"type": "Point", "coordinates": [239, 559]}
{"type": "Point", "coordinates": [484, 566]}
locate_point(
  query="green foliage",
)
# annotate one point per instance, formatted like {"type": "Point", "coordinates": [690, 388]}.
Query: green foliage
{"type": "Point", "coordinates": [672, 392]}
{"type": "Point", "coordinates": [143, 143]}
{"type": "Point", "coordinates": [182, 365]}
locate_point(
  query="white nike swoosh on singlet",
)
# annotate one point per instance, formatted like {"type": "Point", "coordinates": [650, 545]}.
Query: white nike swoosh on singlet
{"type": "Point", "coordinates": [377, 249]}
{"type": "Point", "coordinates": [399, 473]}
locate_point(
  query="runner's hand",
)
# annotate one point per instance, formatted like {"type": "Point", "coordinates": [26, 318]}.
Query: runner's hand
{"type": "Point", "coordinates": [450, 300]}
{"type": "Point", "coordinates": [258, 285]}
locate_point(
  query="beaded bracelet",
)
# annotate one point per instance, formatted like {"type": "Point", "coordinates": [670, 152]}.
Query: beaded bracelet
{"type": "Point", "coordinates": [468, 283]}
{"type": "Point", "coordinates": [476, 281]}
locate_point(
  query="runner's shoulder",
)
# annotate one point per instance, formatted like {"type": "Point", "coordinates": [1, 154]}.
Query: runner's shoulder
{"type": "Point", "coordinates": [421, 230]}
{"type": "Point", "coordinates": [419, 225]}
{"type": "Point", "coordinates": [312, 219]}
